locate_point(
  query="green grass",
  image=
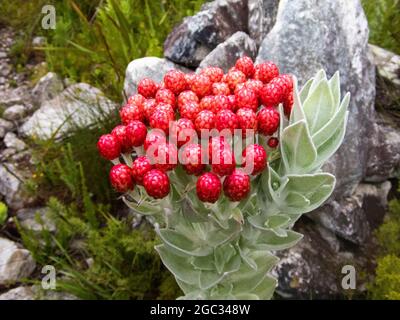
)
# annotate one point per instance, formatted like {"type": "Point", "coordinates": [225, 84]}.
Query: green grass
{"type": "Point", "coordinates": [384, 22]}
{"type": "Point", "coordinates": [108, 36]}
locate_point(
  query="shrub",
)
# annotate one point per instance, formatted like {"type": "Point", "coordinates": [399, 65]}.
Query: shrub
{"type": "Point", "coordinates": [384, 22]}
{"type": "Point", "coordinates": [386, 284]}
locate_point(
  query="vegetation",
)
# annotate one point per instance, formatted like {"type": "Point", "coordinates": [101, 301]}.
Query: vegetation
{"type": "Point", "coordinates": [3, 213]}
{"type": "Point", "coordinates": [384, 22]}
{"type": "Point", "coordinates": [386, 284]}
{"type": "Point", "coordinates": [109, 34]}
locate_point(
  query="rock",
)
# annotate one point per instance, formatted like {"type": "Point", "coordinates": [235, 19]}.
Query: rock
{"type": "Point", "coordinates": [3, 55]}
{"type": "Point", "coordinates": [6, 125]}
{"type": "Point", "coordinates": [15, 113]}
{"type": "Point", "coordinates": [226, 53]}
{"type": "Point", "coordinates": [35, 219]}
{"type": "Point", "coordinates": [12, 186]}
{"type": "Point", "coordinates": [149, 67]}
{"type": "Point", "coordinates": [332, 36]}
{"type": "Point", "coordinates": [19, 293]}
{"type": "Point", "coordinates": [384, 153]}
{"type": "Point", "coordinates": [387, 63]}
{"type": "Point", "coordinates": [35, 293]}
{"type": "Point", "coordinates": [191, 41]}
{"type": "Point", "coordinates": [2, 132]}
{"type": "Point", "coordinates": [78, 106]}
{"type": "Point", "coordinates": [39, 41]}
{"type": "Point", "coordinates": [15, 263]}
{"type": "Point", "coordinates": [16, 96]}
{"type": "Point", "coordinates": [11, 141]}
{"type": "Point", "coordinates": [355, 218]}
{"type": "Point", "coordinates": [312, 268]}
{"type": "Point", "coordinates": [262, 17]}
{"type": "Point", "coordinates": [47, 88]}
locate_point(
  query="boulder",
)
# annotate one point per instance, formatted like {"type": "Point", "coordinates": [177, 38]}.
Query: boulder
{"type": "Point", "coordinates": [78, 106]}
{"type": "Point", "coordinates": [387, 63]}
{"type": "Point", "coordinates": [334, 36]}
{"type": "Point", "coordinates": [226, 53]}
{"type": "Point", "coordinates": [47, 88]}
{"type": "Point", "coordinates": [12, 186]}
{"type": "Point", "coordinates": [313, 268]}
{"type": "Point", "coordinates": [384, 153]}
{"type": "Point", "coordinates": [262, 17]}
{"type": "Point", "coordinates": [356, 217]}
{"type": "Point", "coordinates": [15, 263]}
{"type": "Point", "coordinates": [192, 40]}
{"type": "Point", "coordinates": [149, 67]}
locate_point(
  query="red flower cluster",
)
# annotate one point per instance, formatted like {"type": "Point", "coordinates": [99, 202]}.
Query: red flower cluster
{"type": "Point", "coordinates": [183, 106]}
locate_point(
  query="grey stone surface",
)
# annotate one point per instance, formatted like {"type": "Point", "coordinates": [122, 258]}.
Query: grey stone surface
{"type": "Point", "coordinates": [149, 67]}
{"type": "Point", "coordinates": [12, 186]}
{"type": "Point", "coordinates": [262, 17]}
{"type": "Point", "coordinates": [47, 88]}
{"type": "Point", "coordinates": [388, 64]}
{"type": "Point", "coordinates": [384, 153]}
{"type": "Point", "coordinates": [332, 35]}
{"type": "Point", "coordinates": [313, 268]}
{"type": "Point", "coordinates": [355, 218]}
{"type": "Point", "coordinates": [15, 263]}
{"type": "Point", "coordinates": [7, 125]}
{"type": "Point", "coordinates": [78, 106]}
{"type": "Point", "coordinates": [191, 41]}
{"type": "Point", "coordinates": [11, 141]}
{"type": "Point", "coordinates": [19, 293]}
{"type": "Point", "coordinates": [226, 53]}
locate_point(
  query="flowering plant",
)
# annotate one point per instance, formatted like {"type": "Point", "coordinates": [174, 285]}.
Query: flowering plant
{"type": "Point", "coordinates": [231, 163]}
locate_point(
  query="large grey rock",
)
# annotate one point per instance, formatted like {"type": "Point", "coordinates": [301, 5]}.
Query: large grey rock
{"type": "Point", "coordinates": [387, 63]}
{"type": "Point", "coordinates": [313, 268]}
{"type": "Point", "coordinates": [262, 17]}
{"type": "Point", "coordinates": [355, 218]}
{"type": "Point", "coordinates": [78, 106]}
{"type": "Point", "coordinates": [191, 41]}
{"type": "Point", "coordinates": [333, 35]}
{"type": "Point", "coordinates": [12, 186]}
{"type": "Point", "coordinates": [384, 153]}
{"type": "Point", "coordinates": [226, 53]}
{"type": "Point", "coordinates": [15, 113]}
{"type": "Point", "coordinates": [149, 67]}
{"type": "Point", "coordinates": [47, 88]}
{"type": "Point", "coordinates": [15, 263]}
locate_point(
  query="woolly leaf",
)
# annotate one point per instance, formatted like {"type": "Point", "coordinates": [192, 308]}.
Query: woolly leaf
{"type": "Point", "coordinates": [319, 107]}
{"type": "Point", "coordinates": [298, 151]}
{"type": "Point", "coordinates": [326, 132]}
{"type": "Point", "coordinates": [179, 266]}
